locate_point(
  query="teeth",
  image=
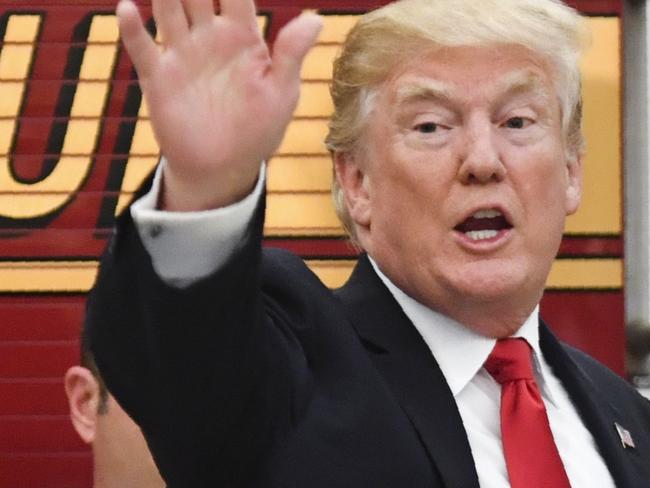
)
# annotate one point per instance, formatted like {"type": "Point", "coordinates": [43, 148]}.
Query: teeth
{"type": "Point", "coordinates": [481, 235]}
{"type": "Point", "coordinates": [486, 214]}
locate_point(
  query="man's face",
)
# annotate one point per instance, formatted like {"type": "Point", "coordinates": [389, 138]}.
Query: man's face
{"type": "Point", "coordinates": [462, 183]}
{"type": "Point", "coordinates": [121, 457]}
{"type": "Point", "coordinates": [120, 445]}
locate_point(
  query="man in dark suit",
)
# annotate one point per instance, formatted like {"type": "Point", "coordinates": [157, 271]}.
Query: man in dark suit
{"type": "Point", "coordinates": [457, 148]}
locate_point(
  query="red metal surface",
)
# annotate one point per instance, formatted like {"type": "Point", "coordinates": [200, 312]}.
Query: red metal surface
{"type": "Point", "coordinates": [589, 321]}
{"type": "Point", "coordinates": [46, 470]}
{"type": "Point", "coordinates": [40, 318]}
{"type": "Point", "coordinates": [28, 359]}
{"type": "Point", "coordinates": [39, 396]}
{"type": "Point", "coordinates": [47, 433]}
{"type": "Point", "coordinates": [39, 334]}
{"type": "Point", "coordinates": [38, 342]}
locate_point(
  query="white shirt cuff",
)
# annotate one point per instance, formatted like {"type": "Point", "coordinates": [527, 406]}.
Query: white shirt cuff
{"type": "Point", "coordinates": [188, 246]}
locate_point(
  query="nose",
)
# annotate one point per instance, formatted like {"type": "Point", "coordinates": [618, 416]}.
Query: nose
{"type": "Point", "coordinates": [480, 161]}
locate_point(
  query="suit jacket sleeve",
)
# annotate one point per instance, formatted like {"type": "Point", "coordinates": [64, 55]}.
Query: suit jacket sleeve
{"type": "Point", "coordinates": [209, 372]}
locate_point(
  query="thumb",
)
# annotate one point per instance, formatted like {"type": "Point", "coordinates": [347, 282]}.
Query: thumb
{"type": "Point", "coordinates": [292, 45]}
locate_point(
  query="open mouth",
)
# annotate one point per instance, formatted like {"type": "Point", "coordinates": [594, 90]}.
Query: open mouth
{"type": "Point", "coordinates": [484, 225]}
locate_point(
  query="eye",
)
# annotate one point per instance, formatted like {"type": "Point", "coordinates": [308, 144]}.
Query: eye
{"type": "Point", "coordinates": [517, 123]}
{"type": "Point", "coordinates": [427, 128]}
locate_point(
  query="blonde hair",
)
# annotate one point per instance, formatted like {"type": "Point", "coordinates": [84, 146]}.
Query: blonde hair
{"type": "Point", "coordinates": [383, 38]}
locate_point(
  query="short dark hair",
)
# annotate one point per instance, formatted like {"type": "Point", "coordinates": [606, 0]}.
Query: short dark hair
{"type": "Point", "coordinates": [88, 362]}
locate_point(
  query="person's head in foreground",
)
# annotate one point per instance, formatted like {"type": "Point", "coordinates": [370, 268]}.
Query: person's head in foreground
{"type": "Point", "coordinates": [121, 458]}
{"type": "Point", "coordinates": [457, 144]}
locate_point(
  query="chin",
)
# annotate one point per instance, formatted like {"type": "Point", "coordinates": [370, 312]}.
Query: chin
{"type": "Point", "coordinates": [495, 283]}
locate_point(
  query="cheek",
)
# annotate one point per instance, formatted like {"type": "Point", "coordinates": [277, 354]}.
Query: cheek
{"type": "Point", "coordinates": [542, 177]}
{"type": "Point", "coordinates": [543, 199]}
{"type": "Point", "coordinates": [410, 198]}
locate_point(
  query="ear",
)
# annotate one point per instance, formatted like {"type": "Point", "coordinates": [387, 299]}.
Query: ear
{"type": "Point", "coordinates": [574, 183]}
{"type": "Point", "coordinates": [83, 397]}
{"type": "Point", "coordinates": [353, 181]}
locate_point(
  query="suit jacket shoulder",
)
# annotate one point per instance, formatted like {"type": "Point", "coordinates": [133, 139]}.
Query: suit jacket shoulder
{"type": "Point", "coordinates": [609, 407]}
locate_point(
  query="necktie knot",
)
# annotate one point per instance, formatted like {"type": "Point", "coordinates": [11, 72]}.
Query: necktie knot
{"type": "Point", "coordinates": [510, 361]}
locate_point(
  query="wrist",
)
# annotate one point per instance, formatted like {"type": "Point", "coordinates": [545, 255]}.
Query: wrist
{"type": "Point", "coordinates": [197, 193]}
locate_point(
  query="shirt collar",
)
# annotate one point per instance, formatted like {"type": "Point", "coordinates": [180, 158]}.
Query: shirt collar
{"type": "Point", "coordinates": [459, 351]}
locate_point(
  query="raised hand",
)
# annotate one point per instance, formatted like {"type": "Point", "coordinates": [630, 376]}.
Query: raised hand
{"type": "Point", "coordinates": [219, 102]}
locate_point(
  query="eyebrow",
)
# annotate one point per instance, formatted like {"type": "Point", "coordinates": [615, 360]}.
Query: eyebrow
{"type": "Point", "coordinates": [425, 89]}
{"type": "Point", "coordinates": [516, 82]}
{"type": "Point", "coordinates": [523, 81]}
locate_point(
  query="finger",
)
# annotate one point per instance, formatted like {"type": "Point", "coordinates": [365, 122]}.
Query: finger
{"type": "Point", "coordinates": [138, 43]}
{"type": "Point", "coordinates": [199, 11]}
{"type": "Point", "coordinates": [171, 20]}
{"type": "Point", "coordinates": [240, 11]}
{"type": "Point", "coordinates": [292, 45]}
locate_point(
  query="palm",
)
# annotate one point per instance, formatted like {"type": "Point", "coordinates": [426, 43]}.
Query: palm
{"type": "Point", "coordinates": [200, 96]}
{"type": "Point", "coordinates": [219, 103]}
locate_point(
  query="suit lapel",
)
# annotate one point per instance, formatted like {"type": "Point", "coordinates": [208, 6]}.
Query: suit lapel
{"type": "Point", "coordinates": [413, 375]}
{"type": "Point", "coordinates": [597, 413]}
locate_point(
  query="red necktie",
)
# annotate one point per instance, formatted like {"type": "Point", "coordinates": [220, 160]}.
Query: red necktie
{"type": "Point", "coordinates": [530, 451]}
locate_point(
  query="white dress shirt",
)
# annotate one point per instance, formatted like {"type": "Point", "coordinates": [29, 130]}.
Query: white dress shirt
{"type": "Point", "coordinates": [460, 352]}
{"type": "Point", "coordinates": [186, 247]}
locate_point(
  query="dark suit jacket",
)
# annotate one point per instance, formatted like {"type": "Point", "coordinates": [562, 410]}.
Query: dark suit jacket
{"type": "Point", "coordinates": [260, 376]}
